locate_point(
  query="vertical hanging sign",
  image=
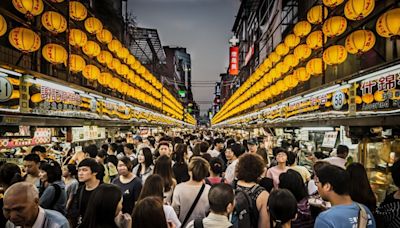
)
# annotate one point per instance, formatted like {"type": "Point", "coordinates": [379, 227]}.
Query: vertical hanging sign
{"type": "Point", "coordinates": [234, 61]}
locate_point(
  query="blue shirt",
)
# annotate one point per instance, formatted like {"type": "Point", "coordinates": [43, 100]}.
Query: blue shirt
{"type": "Point", "coordinates": [343, 216]}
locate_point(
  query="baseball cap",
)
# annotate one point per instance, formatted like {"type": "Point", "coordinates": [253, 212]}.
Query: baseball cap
{"type": "Point", "coordinates": [252, 141]}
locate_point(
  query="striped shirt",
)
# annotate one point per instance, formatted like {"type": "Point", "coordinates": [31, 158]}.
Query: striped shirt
{"type": "Point", "coordinates": [389, 212]}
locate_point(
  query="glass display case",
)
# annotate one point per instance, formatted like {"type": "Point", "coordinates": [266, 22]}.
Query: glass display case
{"type": "Point", "coordinates": [378, 155]}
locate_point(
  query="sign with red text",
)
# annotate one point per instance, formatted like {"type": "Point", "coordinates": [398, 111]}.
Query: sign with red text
{"type": "Point", "coordinates": [234, 61]}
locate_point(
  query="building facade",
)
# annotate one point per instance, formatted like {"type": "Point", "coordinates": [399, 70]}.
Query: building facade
{"type": "Point", "coordinates": [261, 25]}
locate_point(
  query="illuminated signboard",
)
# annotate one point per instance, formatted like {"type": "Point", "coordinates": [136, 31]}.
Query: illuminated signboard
{"type": "Point", "coordinates": [234, 61]}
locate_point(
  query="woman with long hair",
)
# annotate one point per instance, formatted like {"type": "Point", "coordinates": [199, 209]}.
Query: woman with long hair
{"type": "Point", "coordinates": [145, 166]}
{"type": "Point", "coordinates": [292, 181]}
{"type": "Point", "coordinates": [282, 207]}
{"type": "Point", "coordinates": [180, 167]}
{"type": "Point", "coordinates": [53, 195]}
{"type": "Point", "coordinates": [163, 167]}
{"type": "Point", "coordinates": [360, 189]}
{"type": "Point", "coordinates": [149, 213]}
{"type": "Point", "coordinates": [129, 184]}
{"type": "Point", "coordinates": [154, 186]}
{"type": "Point", "coordinates": [106, 209]}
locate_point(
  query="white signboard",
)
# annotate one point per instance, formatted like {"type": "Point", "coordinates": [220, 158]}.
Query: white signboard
{"type": "Point", "coordinates": [330, 139]}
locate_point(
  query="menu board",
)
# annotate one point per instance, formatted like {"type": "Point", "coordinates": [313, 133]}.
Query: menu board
{"type": "Point", "coordinates": [41, 136]}
{"type": "Point", "coordinates": [86, 133]}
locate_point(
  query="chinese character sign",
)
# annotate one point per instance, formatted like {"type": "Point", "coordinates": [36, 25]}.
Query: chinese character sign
{"type": "Point", "coordinates": [234, 61]}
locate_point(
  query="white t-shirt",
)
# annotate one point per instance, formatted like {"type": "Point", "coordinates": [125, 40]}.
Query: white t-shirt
{"type": "Point", "coordinates": [214, 153]}
{"type": "Point", "coordinates": [230, 171]}
{"type": "Point", "coordinates": [170, 215]}
{"type": "Point", "coordinates": [336, 161]}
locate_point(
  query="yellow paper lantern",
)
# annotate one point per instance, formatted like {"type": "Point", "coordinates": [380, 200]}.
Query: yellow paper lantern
{"type": "Point", "coordinates": [292, 81]}
{"type": "Point", "coordinates": [56, 1]}
{"type": "Point", "coordinates": [77, 38]}
{"type": "Point", "coordinates": [315, 66]}
{"type": "Point", "coordinates": [54, 22]}
{"type": "Point", "coordinates": [335, 55]}
{"type": "Point", "coordinates": [316, 40]}
{"type": "Point", "coordinates": [334, 26]}
{"type": "Point", "coordinates": [105, 79]}
{"type": "Point", "coordinates": [122, 53]}
{"type": "Point", "coordinates": [358, 9]}
{"type": "Point", "coordinates": [360, 42]}
{"type": "Point", "coordinates": [275, 90]}
{"type": "Point", "coordinates": [104, 57]}
{"type": "Point", "coordinates": [388, 24]}
{"type": "Point", "coordinates": [130, 60]}
{"type": "Point", "coordinates": [266, 65]}
{"type": "Point", "coordinates": [91, 49]}
{"type": "Point", "coordinates": [76, 63]}
{"type": "Point", "coordinates": [91, 72]}
{"type": "Point", "coordinates": [301, 74]}
{"type": "Point", "coordinates": [274, 58]}
{"type": "Point", "coordinates": [292, 41]}
{"type": "Point", "coordinates": [302, 51]}
{"type": "Point", "coordinates": [136, 65]}
{"type": "Point", "coordinates": [114, 46]}
{"type": "Point", "coordinates": [3, 26]}
{"type": "Point", "coordinates": [282, 49]}
{"type": "Point", "coordinates": [314, 15]}
{"type": "Point", "coordinates": [332, 3]}
{"type": "Point", "coordinates": [116, 83]}
{"type": "Point", "coordinates": [55, 53]}
{"type": "Point", "coordinates": [123, 70]}
{"type": "Point", "coordinates": [141, 70]}
{"type": "Point", "coordinates": [291, 60]}
{"type": "Point", "coordinates": [29, 7]}
{"type": "Point", "coordinates": [24, 39]}
{"type": "Point", "coordinates": [104, 36]}
{"type": "Point", "coordinates": [77, 11]}
{"type": "Point", "coordinates": [282, 68]}
{"type": "Point", "coordinates": [275, 73]}
{"type": "Point", "coordinates": [93, 25]}
{"type": "Point", "coordinates": [114, 64]}
{"type": "Point", "coordinates": [302, 29]}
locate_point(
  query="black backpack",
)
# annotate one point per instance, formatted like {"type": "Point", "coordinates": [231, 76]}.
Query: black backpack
{"type": "Point", "coordinates": [246, 214]}
{"type": "Point", "coordinates": [57, 195]}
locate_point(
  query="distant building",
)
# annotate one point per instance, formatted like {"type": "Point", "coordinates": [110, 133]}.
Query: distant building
{"type": "Point", "coordinates": [178, 74]}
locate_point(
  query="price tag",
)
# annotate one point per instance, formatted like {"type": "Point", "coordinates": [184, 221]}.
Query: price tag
{"type": "Point", "coordinates": [338, 100]}
{"type": "Point", "coordinates": [6, 89]}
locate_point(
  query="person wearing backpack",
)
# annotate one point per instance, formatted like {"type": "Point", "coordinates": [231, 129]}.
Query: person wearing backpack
{"type": "Point", "coordinates": [53, 196]}
{"type": "Point", "coordinates": [250, 198]}
{"type": "Point", "coordinates": [221, 199]}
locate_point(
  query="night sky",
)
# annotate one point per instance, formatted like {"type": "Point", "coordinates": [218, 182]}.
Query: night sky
{"type": "Point", "coordinates": [202, 26]}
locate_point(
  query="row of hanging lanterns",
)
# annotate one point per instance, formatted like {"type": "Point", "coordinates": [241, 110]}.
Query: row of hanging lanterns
{"type": "Point", "coordinates": [26, 40]}
{"type": "Point", "coordinates": [358, 42]}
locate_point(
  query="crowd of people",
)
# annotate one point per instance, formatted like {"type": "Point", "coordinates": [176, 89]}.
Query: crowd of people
{"type": "Point", "coordinates": [201, 179]}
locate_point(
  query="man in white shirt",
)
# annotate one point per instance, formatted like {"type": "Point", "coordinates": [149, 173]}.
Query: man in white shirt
{"type": "Point", "coordinates": [340, 159]}
{"type": "Point", "coordinates": [221, 198]}
{"type": "Point", "coordinates": [21, 209]}
{"type": "Point", "coordinates": [232, 153]}
{"type": "Point", "coordinates": [218, 147]}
